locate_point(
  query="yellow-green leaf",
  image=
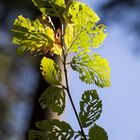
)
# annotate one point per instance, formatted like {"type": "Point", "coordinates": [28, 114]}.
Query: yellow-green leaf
{"type": "Point", "coordinates": [92, 69]}
{"type": "Point", "coordinates": [50, 71]}
{"type": "Point", "coordinates": [82, 30]}
{"type": "Point", "coordinates": [32, 36]}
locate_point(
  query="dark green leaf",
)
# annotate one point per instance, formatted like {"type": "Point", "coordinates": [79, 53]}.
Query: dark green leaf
{"type": "Point", "coordinates": [82, 30]}
{"type": "Point", "coordinates": [53, 8]}
{"type": "Point", "coordinates": [51, 130]}
{"type": "Point", "coordinates": [97, 133]}
{"type": "Point", "coordinates": [92, 69]}
{"type": "Point", "coordinates": [50, 71]}
{"type": "Point", "coordinates": [32, 36]}
{"type": "Point", "coordinates": [90, 108]}
{"type": "Point", "coordinates": [54, 98]}
{"type": "Point", "coordinates": [21, 50]}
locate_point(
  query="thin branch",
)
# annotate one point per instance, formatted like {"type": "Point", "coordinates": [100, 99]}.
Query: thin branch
{"type": "Point", "coordinates": [67, 84]}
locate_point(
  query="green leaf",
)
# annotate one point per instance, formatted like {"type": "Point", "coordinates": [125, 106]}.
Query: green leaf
{"type": "Point", "coordinates": [51, 130]}
{"type": "Point", "coordinates": [86, 32]}
{"type": "Point", "coordinates": [20, 51]}
{"type": "Point", "coordinates": [92, 69]}
{"type": "Point", "coordinates": [53, 8]}
{"type": "Point", "coordinates": [50, 71]}
{"type": "Point", "coordinates": [32, 36]}
{"type": "Point", "coordinates": [90, 108]}
{"type": "Point", "coordinates": [53, 98]}
{"type": "Point", "coordinates": [97, 133]}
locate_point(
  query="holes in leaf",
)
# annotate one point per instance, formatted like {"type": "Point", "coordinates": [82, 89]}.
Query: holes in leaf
{"type": "Point", "coordinates": [90, 108]}
{"type": "Point", "coordinates": [54, 98]}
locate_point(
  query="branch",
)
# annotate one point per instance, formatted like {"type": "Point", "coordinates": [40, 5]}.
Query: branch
{"type": "Point", "coordinates": [67, 84]}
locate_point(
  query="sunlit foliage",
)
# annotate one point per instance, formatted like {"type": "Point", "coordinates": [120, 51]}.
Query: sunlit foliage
{"type": "Point", "coordinates": [79, 34]}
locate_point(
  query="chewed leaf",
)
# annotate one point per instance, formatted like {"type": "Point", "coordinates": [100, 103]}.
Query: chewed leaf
{"type": "Point", "coordinates": [86, 32]}
{"type": "Point", "coordinates": [53, 8]}
{"type": "Point", "coordinates": [53, 98]}
{"type": "Point", "coordinates": [33, 36]}
{"type": "Point", "coordinates": [50, 71]}
{"type": "Point", "coordinates": [51, 130]}
{"type": "Point", "coordinates": [92, 69]}
{"type": "Point", "coordinates": [90, 108]}
{"type": "Point", "coordinates": [97, 133]}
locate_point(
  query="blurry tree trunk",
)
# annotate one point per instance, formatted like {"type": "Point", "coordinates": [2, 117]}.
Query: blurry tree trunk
{"type": "Point", "coordinates": [38, 113]}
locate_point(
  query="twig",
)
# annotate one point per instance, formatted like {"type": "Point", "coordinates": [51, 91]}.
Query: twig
{"type": "Point", "coordinates": [67, 85]}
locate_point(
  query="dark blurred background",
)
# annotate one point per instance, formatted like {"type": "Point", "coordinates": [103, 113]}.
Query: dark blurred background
{"type": "Point", "coordinates": [20, 81]}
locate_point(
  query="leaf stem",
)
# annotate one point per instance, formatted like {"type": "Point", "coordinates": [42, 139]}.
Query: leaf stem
{"type": "Point", "coordinates": [67, 84]}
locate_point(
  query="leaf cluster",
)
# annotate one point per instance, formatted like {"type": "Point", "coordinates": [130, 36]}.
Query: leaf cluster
{"type": "Point", "coordinates": [80, 33]}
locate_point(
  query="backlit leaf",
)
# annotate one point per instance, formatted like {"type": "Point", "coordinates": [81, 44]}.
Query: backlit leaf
{"type": "Point", "coordinates": [92, 69]}
{"type": "Point", "coordinates": [53, 8]}
{"type": "Point", "coordinates": [50, 71]}
{"type": "Point", "coordinates": [53, 98]}
{"type": "Point", "coordinates": [97, 133]}
{"type": "Point", "coordinates": [35, 37]}
{"type": "Point", "coordinates": [51, 130]}
{"type": "Point", "coordinates": [90, 108]}
{"type": "Point", "coordinates": [86, 32]}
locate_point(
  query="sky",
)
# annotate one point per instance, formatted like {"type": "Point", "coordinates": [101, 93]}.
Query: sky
{"type": "Point", "coordinates": [120, 116]}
